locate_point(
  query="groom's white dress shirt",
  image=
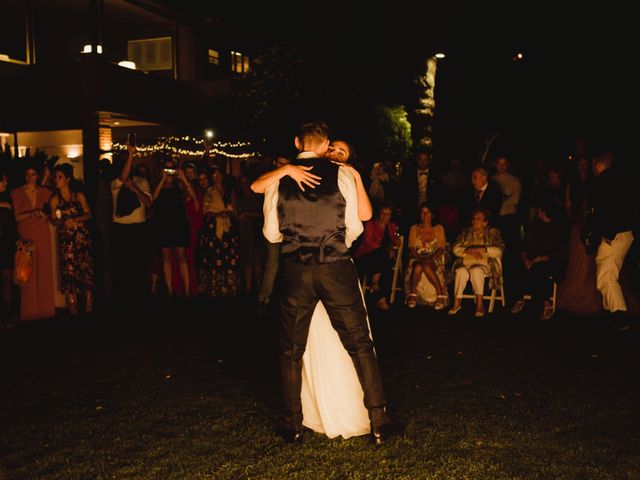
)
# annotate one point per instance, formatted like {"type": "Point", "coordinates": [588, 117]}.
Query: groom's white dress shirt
{"type": "Point", "coordinates": [347, 186]}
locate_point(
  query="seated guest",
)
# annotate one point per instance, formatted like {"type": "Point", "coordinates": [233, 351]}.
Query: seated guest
{"type": "Point", "coordinates": [426, 253]}
{"type": "Point", "coordinates": [544, 257]}
{"type": "Point", "coordinates": [479, 250]}
{"type": "Point", "coordinates": [376, 254]}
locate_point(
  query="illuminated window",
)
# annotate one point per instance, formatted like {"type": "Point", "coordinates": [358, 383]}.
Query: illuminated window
{"type": "Point", "coordinates": [214, 57]}
{"type": "Point", "coordinates": [239, 62]}
{"type": "Point", "coordinates": [151, 54]}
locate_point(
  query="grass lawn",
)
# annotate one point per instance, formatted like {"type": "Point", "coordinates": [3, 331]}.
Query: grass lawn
{"type": "Point", "coordinates": [196, 396]}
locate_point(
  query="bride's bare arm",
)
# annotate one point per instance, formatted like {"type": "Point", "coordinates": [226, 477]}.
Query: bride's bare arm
{"type": "Point", "coordinates": [298, 172]}
{"type": "Point", "coordinates": [365, 210]}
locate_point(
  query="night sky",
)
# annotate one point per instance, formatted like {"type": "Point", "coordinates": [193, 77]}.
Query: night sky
{"type": "Point", "coordinates": [574, 79]}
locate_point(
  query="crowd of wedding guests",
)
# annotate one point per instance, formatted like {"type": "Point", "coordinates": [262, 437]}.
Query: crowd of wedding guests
{"type": "Point", "coordinates": [568, 224]}
{"type": "Point", "coordinates": [160, 226]}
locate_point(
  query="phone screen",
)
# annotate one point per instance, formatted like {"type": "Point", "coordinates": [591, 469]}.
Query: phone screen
{"type": "Point", "coordinates": [131, 139]}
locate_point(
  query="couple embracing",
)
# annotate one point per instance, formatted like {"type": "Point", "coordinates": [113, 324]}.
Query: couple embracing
{"type": "Point", "coordinates": [330, 377]}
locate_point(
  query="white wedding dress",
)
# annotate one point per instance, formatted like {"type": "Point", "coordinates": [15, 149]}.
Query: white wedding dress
{"type": "Point", "coordinates": [332, 398]}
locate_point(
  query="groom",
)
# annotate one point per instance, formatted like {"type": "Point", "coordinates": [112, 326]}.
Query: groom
{"type": "Point", "coordinates": [316, 228]}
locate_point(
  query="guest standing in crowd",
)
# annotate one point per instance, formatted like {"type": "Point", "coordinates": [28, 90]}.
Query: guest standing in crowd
{"type": "Point", "coordinates": [130, 234]}
{"type": "Point", "coordinates": [578, 293]}
{"type": "Point", "coordinates": [418, 186]}
{"type": "Point", "coordinates": [70, 212]}
{"type": "Point", "coordinates": [219, 240]}
{"type": "Point", "coordinates": [29, 202]}
{"type": "Point", "coordinates": [486, 195]}
{"type": "Point", "coordinates": [615, 207]}
{"type": "Point", "coordinates": [8, 237]}
{"type": "Point", "coordinates": [454, 186]}
{"type": "Point", "coordinates": [171, 225]}
{"type": "Point", "coordinates": [249, 221]}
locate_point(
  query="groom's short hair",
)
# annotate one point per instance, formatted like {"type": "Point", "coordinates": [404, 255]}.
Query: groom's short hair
{"type": "Point", "coordinates": [313, 132]}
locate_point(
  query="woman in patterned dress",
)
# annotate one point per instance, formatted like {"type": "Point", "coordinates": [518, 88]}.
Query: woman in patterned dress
{"type": "Point", "coordinates": [219, 240]}
{"type": "Point", "coordinates": [479, 254]}
{"type": "Point", "coordinates": [70, 212]}
{"type": "Point", "coordinates": [426, 250]}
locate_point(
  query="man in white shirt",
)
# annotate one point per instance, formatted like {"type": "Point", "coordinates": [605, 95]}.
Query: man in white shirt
{"type": "Point", "coordinates": [316, 227]}
{"type": "Point", "coordinates": [130, 234]}
{"type": "Point", "coordinates": [507, 220]}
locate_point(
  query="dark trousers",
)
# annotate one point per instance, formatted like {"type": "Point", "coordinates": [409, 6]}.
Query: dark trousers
{"type": "Point", "coordinates": [270, 272]}
{"type": "Point", "coordinates": [537, 282]}
{"type": "Point", "coordinates": [336, 286]}
{"type": "Point", "coordinates": [377, 261]}
{"type": "Point", "coordinates": [509, 226]}
{"type": "Point", "coordinates": [131, 263]}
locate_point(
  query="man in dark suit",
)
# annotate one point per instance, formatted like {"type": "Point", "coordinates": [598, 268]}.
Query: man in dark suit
{"type": "Point", "coordinates": [316, 228]}
{"type": "Point", "coordinates": [486, 195]}
{"type": "Point", "coordinates": [418, 186]}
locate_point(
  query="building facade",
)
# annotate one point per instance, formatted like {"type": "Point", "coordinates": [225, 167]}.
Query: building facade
{"type": "Point", "coordinates": [77, 75]}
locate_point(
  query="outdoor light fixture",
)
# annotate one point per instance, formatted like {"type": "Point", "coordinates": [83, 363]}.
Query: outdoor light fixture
{"type": "Point", "coordinates": [209, 134]}
{"type": "Point", "coordinates": [73, 152]}
{"type": "Point", "coordinates": [89, 49]}
{"type": "Point", "coordinates": [518, 56]}
{"type": "Point", "coordinates": [127, 64]}
{"type": "Point", "coordinates": [439, 55]}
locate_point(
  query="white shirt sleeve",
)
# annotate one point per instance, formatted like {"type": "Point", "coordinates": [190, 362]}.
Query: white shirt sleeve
{"type": "Point", "coordinates": [271, 228]}
{"type": "Point", "coordinates": [347, 186]}
{"type": "Point", "coordinates": [143, 185]}
{"type": "Point", "coordinates": [116, 184]}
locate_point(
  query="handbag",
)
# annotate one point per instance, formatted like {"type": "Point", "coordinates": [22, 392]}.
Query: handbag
{"type": "Point", "coordinates": [126, 202]}
{"type": "Point", "coordinates": [469, 260]}
{"type": "Point", "coordinates": [590, 235]}
{"type": "Point", "coordinates": [23, 268]}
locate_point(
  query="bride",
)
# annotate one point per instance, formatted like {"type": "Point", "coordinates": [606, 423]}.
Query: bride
{"type": "Point", "coordinates": [332, 397]}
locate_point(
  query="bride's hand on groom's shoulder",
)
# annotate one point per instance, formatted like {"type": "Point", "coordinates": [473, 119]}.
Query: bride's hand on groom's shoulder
{"type": "Point", "coordinates": [352, 170]}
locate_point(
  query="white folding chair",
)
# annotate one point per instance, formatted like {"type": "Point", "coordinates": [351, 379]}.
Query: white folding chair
{"type": "Point", "coordinates": [527, 296]}
{"type": "Point", "coordinates": [492, 297]}
{"type": "Point", "coordinates": [397, 273]}
{"type": "Point", "coordinates": [397, 270]}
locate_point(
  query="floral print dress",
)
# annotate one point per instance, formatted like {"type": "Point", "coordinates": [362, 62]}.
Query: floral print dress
{"type": "Point", "coordinates": [428, 247]}
{"type": "Point", "coordinates": [76, 263]}
{"type": "Point", "coordinates": [218, 249]}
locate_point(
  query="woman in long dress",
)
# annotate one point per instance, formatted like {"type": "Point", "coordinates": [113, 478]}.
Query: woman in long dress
{"type": "Point", "coordinates": [577, 293]}
{"type": "Point", "coordinates": [37, 295]}
{"type": "Point", "coordinates": [70, 211]}
{"type": "Point", "coordinates": [219, 240]}
{"type": "Point", "coordinates": [332, 397]}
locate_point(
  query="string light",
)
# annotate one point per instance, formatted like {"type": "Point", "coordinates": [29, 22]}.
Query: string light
{"type": "Point", "coordinates": [168, 144]}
